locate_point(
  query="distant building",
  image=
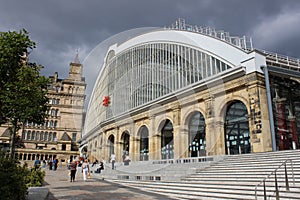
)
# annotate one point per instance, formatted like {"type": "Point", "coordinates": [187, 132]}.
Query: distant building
{"type": "Point", "coordinates": [189, 91]}
{"type": "Point", "coordinates": [59, 136]}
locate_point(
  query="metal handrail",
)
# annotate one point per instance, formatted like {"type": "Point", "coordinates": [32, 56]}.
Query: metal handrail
{"type": "Point", "coordinates": [292, 62]}
{"type": "Point", "coordinates": [276, 185]}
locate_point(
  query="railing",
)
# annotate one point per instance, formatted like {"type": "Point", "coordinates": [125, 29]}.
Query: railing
{"type": "Point", "coordinates": [240, 42]}
{"type": "Point", "coordinates": [187, 160]}
{"type": "Point", "coordinates": [293, 63]}
{"type": "Point", "coordinates": [276, 189]}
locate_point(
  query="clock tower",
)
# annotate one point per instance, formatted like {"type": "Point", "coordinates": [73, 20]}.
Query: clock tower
{"type": "Point", "coordinates": [75, 72]}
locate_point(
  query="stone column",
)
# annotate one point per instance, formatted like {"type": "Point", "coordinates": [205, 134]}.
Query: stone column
{"type": "Point", "coordinates": [215, 139]}
{"type": "Point", "coordinates": [177, 136]}
{"type": "Point", "coordinates": [133, 148]}
{"type": "Point", "coordinates": [154, 141]}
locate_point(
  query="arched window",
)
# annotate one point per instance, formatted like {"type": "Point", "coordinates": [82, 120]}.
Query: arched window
{"type": "Point", "coordinates": [167, 142]}
{"type": "Point", "coordinates": [55, 124]}
{"type": "Point", "coordinates": [50, 136]}
{"type": "Point", "coordinates": [52, 112]}
{"type": "Point", "coordinates": [46, 136]}
{"type": "Point", "coordinates": [24, 135]}
{"type": "Point", "coordinates": [28, 135]}
{"type": "Point", "coordinates": [111, 143]}
{"type": "Point", "coordinates": [42, 135]}
{"type": "Point", "coordinates": [125, 140]}
{"type": "Point", "coordinates": [144, 143]}
{"type": "Point", "coordinates": [54, 137]}
{"type": "Point", "coordinates": [37, 135]}
{"type": "Point", "coordinates": [197, 141]}
{"type": "Point", "coordinates": [237, 134]}
{"type": "Point", "coordinates": [33, 135]}
{"type": "Point", "coordinates": [51, 124]}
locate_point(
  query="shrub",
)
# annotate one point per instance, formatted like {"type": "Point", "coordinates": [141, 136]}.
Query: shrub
{"type": "Point", "coordinates": [35, 178]}
{"type": "Point", "coordinates": [13, 186]}
{"type": "Point", "coordinates": [15, 179]}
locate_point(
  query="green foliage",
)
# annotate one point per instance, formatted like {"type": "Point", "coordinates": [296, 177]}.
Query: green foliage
{"type": "Point", "coordinates": [25, 98]}
{"type": "Point", "coordinates": [22, 89]}
{"type": "Point", "coordinates": [35, 178]}
{"type": "Point", "coordinates": [13, 47]}
{"type": "Point", "coordinates": [15, 179]}
{"type": "Point", "coordinates": [13, 185]}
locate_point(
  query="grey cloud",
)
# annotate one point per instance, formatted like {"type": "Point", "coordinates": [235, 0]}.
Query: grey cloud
{"type": "Point", "coordinates": [61, 26]}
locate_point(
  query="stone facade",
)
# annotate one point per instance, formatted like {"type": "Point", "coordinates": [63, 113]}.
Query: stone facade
{"type": "Point", "coordinates": [212, 103]}
{"type": "Point", "coordinates": [59, 136]}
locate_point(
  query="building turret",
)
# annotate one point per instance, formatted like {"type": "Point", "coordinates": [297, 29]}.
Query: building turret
{"type": "Point", "coordinates": [75, 72]}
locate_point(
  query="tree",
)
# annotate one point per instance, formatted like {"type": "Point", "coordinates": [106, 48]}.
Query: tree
{"type": "Point", "coordinates": [22, 89]}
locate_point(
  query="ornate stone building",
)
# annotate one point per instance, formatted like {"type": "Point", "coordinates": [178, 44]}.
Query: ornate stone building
{"type": "Point", "coordinates": [59, 136]}
{"type": "Point", "coordinates": [189, 91]}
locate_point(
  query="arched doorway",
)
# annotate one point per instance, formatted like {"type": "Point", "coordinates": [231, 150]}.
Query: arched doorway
{"type": "Point", "coordinates": [125, 140]}
{"type": "Point", "coordinates": [144, 143]}
{"type": "Point", "coordinates": [111, 142]}
{"type": "Point", "coordinates": [237, 136]}
{"type": "Point", "coordinates": [167, 142]}
{"type": "Point", "coordinates": [197, 137]}
{"type": "Point", "coordinates": [84, 152]}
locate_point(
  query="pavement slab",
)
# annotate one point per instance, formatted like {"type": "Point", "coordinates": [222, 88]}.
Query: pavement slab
{"type": "Point", "coordinates": [60, 188]}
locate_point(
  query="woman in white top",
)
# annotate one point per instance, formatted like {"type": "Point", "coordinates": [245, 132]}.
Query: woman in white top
{"type": "Point", "coordinates": [85, 169]}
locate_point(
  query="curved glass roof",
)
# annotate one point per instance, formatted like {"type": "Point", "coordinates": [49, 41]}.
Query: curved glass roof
{"type": "Point", "coordinates": [147, 72]}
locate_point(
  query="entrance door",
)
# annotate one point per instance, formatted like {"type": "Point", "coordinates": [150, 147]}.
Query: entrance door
{"type": "Point", "coordinates": [167, 143]}
{"type": "Point", "coordinates": [197, 141]}
{"type": "Point", "coordinates": [237, 136]}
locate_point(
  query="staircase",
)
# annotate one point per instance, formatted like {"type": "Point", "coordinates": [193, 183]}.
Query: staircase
{"type": "Point", "coordinates": [234, 177]}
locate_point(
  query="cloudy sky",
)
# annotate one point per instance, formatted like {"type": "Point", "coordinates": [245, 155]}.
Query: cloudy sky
{"type": "Point", "coordinates": [59, 27]}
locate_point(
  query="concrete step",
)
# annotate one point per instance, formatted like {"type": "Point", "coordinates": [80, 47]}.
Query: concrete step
{"type": "Point", "coordinates": [245, 167]}
{"type": "Point", "coordinates": [256, 162]}
{"type": "Point", "coordinates": [249, 171]}
{"type": "Point", "coordinates": [196, 191]}
{"type": "Point", "coordinates": [234, 177]}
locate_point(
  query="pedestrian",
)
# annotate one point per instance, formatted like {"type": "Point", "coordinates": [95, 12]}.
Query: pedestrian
{"type": "Point", "coordinates": [55, 162]}
{"type": "Point", "coordinates": [124, 156]}
{"type": "Point", "coordinates": [127, 160]}
{"type": "Point", "coordinates": [85, 169]}
{"type": "Point", "coordinates": [73, 169]}
{"type": "Point", "coordinates": [44, 164]}
{"type": "Point", "coordinates": [50, 163]}
{"type": "Point", "coordinates": [95, 163]}
{"type": "Point", "coordinates": [37, 163]}
{"type": "Point", "coordinates": [112, 160]}
{"type": "Point", "coordinates": [101, 167]}
{"type": "Point", "coordinates": [68, 163]}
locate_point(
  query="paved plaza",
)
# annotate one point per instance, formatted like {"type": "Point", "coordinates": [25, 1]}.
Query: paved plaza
{"type": "Point", "coordinates": [61, 188]}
